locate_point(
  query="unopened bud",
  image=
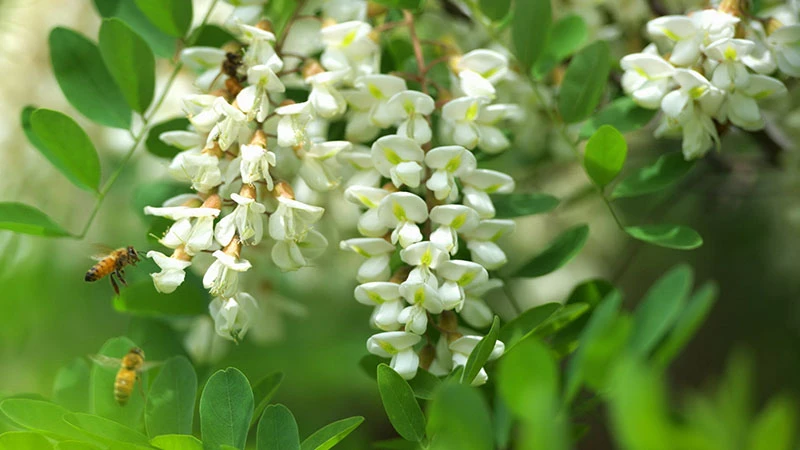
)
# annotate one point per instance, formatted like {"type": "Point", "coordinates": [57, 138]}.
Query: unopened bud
{"type": "Point", "coordinates": [400, 274]}
{"type": "Point", "coordinates": [389, 187]}
{"type": "Point", "coordinates": [738, 8]}
{"type": "Point", "coordinates": [265, 25]}
{"type": "Point", "coordinates": [453, 62]}
{"type": "Point", "coordinates": [192, 203]}
{"type": "Point", "coordinates": [248, 191]}
{"type": "Point", "coordinates": [312, 67]}
{"type": "Point", "coordinates": [181, 254]}
{"type": "Point", "coordinates": [448, 321]}
{"type": "Point", "coordinates": [426, 356]}
{"type": "Point", "coordinates": [214, 150]}
{"type": "Point", "coordinates": [213, 201]}
{"type": "Point", "coordinates": [375, 9]}
{"type": "Point", "coordinates": [283, 189]}
{"type": "Point", "coordinates": [259, 138]}
{"type": "Point", "coordinates": [234, 247]}
{"type": "Point", "coordinates": [772, 25]}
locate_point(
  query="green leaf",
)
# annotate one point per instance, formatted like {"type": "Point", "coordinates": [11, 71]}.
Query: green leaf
{"type": "Point", "coordinates": [176, 442]}
{"type": "Point", "coordinates": [277, 430]}
{"type": "Point", "coordinates": [264, 390]}
{"type": "Point", "coordinates": [602, 352]}
{"type": "Point", "coordinates": [413, 5]}
{"type": "Point", "coordinates": [530, 29]}
{"type": "Point", "coordinates": [162, 44]}
{"type": "Point", "coordinates": [668, 169]}
{"type": "Point", "coordinates": [105, 430]}
{"type": "Point", "coordinates": [71, 386]}
{"type": "Point", "coordinates": [660, 308]}
{"type": "Point", "coordinates": [459, 419]}
{"type": "Point", "coordinates": [64, 143]}
{"type": "Point", "coordinates": [605, 155]}
{"type": "Point", "coordinates": [622, 113]}
{"type": "Point", "coordinates": [563, 248]}
{"type": "Point", "coordinates": [23, 440]}
{"type": "Point", "coordinates": [584, 81]}
{"type": "Point", "coordinates": [480, 354]}
{"type": "Point", "coordinates": [509, 206]}
{"type": "Point", "coordinates": [603, 316]}
{"type": "Point", "coordinates": [527, 380]}
{"type": "Point", "coordinates": [424, 384]}
{"type": "Point", "coordinates": [566, 36]}
{"type": "Point", "coordinates": [561, 318]}
{"type": "Point", "coordinates": [170, 401]}
{"type": "Point", "coordinates": [155, 146]}
{"type": "Point", "coordinates": [331, 434]}
{"type": "Point", "coordinates": [396, 444]}
{"type": "Point", "coordinates": [401, 407]}
{"type": "Point", "coordinates": [638, 408]}
{"type": "Point", "coordinates": [677, 237]}
{"type": "Point", "coordinates": [40, 416]}
{"type": "Point", "coordinates": [687, 324]}
{"type": "Point", "coordinates": [369, 364]}
{"type": "Point", "coordinates": [526, 323]}
{"type": "Point", "coordinates": [212, 36]}
{"type": "Point", "coordinates": [589, 292]}
{"type": "Point", "coordinates": [85, 81]}
{"type": "Point", "coordinates": [280, 13]}
{"type": "Point", "coordinates": [495, 9]}
{"type": "Point", "coordinates": [226, 407]}
{"type": "Point", "coordinates": [775, 428]}
{"type": "Point", "coordinates": [102, 387]}
{"type": "Point", "coordinates": [76, 445]}
{"type": "Point", "coordinates": [21, 218]}
{"type": "Point", "coordinates": [170, 16]}
{"type": "Point", "coordinates": [130, 61]}
{"type": "Point", "coordinates": [141, 297]}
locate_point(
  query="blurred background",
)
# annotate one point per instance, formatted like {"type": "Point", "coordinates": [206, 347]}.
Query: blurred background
{"type": "Point", "coordinates": [744, 202]}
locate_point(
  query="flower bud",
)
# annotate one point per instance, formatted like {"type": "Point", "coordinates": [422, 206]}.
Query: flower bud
{"type": "Point", "coordinates": [312, 67]}
{"type": "Point", "coordinates": [265, 25]}
{"type": "Point", "coordinates": [284, 189]}
{"type": "Point", "coordinates": [248, 191]}
{"type": "Point", "coordinates": [213, 201]}
{"type": "Point", "coordinates": [448, 322]}
{"type": "Point", "coordinates": [426, 356]}
{"type": "Point", "coordinates": [234, 247]}
{"type": "Point", "coordinates": [375, 9]}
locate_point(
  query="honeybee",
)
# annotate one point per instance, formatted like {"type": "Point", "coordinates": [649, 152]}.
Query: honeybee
{"type": "Point", "coordinates": [130, 369]}
{"type": "Point", "coordinates": [113, 264]}
{"type": "Point", "coordinates": [230, 67]}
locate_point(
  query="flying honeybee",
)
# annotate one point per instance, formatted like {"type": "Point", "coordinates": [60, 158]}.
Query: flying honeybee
{"type": "Point", "coordinates": [113, 264]}
{"type": "Point", "coordinates": [130, 371]}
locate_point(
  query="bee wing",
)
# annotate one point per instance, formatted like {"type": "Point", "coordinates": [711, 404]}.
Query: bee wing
{"type": "Point", "coordinates": [150, 365]}
{"type": "Point", "coordinates": [106, 361]}
{"type": "Point", "coordinates": [100, 251]}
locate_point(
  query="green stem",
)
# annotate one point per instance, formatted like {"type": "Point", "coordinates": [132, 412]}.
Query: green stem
{"type": "Point", "coordinates": [138, 137]}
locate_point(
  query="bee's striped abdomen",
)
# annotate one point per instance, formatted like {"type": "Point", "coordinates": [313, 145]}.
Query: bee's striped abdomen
{"type": "Point", "coordinates": [123, 385]}
{"type": "Point", "coordinates": [99, 270]}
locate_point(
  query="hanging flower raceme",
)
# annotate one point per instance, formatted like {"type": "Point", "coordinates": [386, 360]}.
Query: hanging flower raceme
{"type": "Point", "coordinates": [229, 157]}
{"type": "Point", "coordinates": [710, 68]}
{"type": "Point", "coordinates": [436, 198]}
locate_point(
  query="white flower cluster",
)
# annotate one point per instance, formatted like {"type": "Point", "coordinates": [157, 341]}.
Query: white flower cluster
{"type": "Point", "coordinates": [228, 157]}
{"type": "Point", "coordinates": [709, 68]}
{"type": "Point", "coordinates": [435, 197]}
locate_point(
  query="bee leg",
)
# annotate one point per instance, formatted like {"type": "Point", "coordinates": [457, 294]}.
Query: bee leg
{"type": "Point", "coordinates": [141, 386]}
{"type": "Point", "coordinates": [114, 283]}
{"type": "Point", "coordinates": [121, 275]}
